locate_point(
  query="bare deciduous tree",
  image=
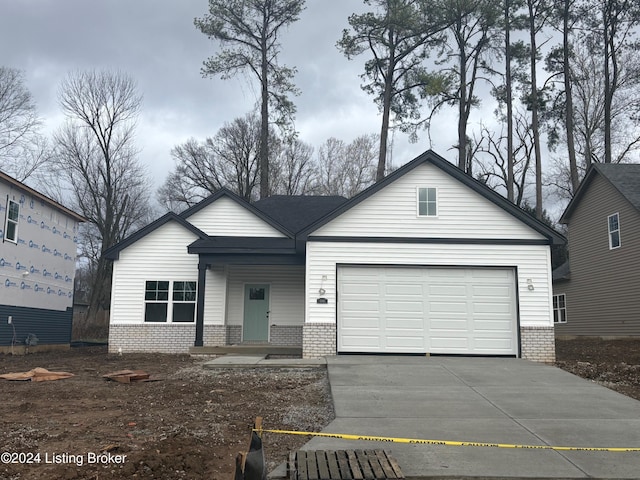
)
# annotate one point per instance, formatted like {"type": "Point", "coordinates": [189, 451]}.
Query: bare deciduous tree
{"type": "Point", "coordinates": [97, 165]}
{"type": "Point", "coordinates": [23, 151]}
{"type": "Point", "coordinates": [346, 169]}
{"type": "Point", "coordinates": [294, 170]}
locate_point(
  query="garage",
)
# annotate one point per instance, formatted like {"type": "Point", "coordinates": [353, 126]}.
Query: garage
{"type": "Point", "coordinates": [440, 310]}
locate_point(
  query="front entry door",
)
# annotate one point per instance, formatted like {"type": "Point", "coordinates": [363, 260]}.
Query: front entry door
{"type": "Point", "coordinates": [256, 313]}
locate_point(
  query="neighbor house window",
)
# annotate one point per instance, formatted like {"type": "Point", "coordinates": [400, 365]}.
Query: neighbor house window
{"type": "Point", "coordinates": [180, 306]}
{"type": "Point", "coordinates": [11, 225]}
{"type": "Point", "coordinates": [184, 301]}
{"type": "Point", "coordinates": [427, 202]}
{"type": "Point", "coordinates": [559, 308]}
{"type": "Point", "coordinates": [614, 231]}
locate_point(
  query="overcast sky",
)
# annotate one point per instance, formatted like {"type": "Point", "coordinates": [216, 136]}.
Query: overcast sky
{"type": "Point", "coordinates": [156, 42]}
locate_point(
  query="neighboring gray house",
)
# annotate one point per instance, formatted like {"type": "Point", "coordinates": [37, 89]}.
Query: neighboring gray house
{"type": "Point", "coordinates": [596, 293]}
{"type": "Point", "coordinates": [37, 266]}
{"type": "Point", "coordinates": [427, 260]}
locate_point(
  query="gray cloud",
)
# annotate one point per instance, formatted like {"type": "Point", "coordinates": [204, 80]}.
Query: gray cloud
{"type": "Point", "coordinates": [155, 42]}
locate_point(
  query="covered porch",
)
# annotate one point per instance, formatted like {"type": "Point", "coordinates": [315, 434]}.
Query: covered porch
{"type": "Point", "coordinates": [250, 295]}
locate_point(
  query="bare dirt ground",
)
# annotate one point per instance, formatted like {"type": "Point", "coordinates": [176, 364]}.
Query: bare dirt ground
{"type": "Point", "coordinates": [612, 363]}
{"type": "Point", "coordinates": [189, 425]}
{"type": "Point", "coordinates": [192, 423]}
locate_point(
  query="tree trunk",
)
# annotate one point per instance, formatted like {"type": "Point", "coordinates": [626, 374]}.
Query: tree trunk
{"type": "Point", "coordinates": [462, 109]}
{"type": "Point", "coordinates": [386, 109]}
{"type": "Point", "coordinates": [535, 127]}
{"type": "Point", "coordinates": [264, 125]}
{"type": "Point", "coordinates": [608, 87]}
{"type": "Point", "coordinates": [509, 99]}
{"type": "Point", "coordinates": [568, 91]}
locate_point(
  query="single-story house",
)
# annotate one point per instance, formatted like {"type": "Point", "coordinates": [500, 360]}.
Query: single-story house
{"type": "Point", "coordinates": [596, 292]}
{"type": "Point", "coordinates": [37, 268]}
{"type": "Point", "coordinates": [428, 260]}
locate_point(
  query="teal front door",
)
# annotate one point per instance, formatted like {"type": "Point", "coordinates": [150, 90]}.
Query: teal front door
{"type": "Point", "coordinates": [256, 313]}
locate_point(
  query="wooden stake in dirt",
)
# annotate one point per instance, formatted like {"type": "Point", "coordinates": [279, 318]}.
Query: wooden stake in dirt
{"type": "Point", "coordinates": [251, 465]}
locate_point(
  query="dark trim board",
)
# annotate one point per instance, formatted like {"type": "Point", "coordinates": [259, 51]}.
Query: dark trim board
{"type": "Point", "coordinates": [256, 259]}
{"type": "Point", "coordinates": [50, 326]}
{"type": "Point", "coordinates": [422, 240]}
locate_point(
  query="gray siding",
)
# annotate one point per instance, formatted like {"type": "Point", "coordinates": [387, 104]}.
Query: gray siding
{"type": "Point", "coordinates": [52, 327]}
{"type": "Point", "coordinates": [603, 297]}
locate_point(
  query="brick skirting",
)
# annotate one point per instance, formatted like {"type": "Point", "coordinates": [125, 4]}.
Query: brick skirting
{"type": "Point", "coordinates": [152, 337]}
{"type": "Point", "coordinates": [318, 340]}
{"type": "Point", "coordinates": [178, 338]}
{"type": "Point", "coordinates": [538, 344]}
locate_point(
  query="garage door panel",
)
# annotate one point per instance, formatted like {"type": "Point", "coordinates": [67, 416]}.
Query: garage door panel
{"type": "Point", "coordinates": [435, 309]}
{"type": "Point", "coordinates": [404, 289]}
{"type": "Point", "coordinates": [361, 306]}
{"type": "Point", "coordinates": [404, 306]}
{"type": "Point", "coordinates": [401, 342]}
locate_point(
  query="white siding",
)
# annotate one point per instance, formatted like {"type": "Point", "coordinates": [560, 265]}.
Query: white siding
{"type": "Point", "coordinates": [215, 296]}
{"type": "Point", "coordinates": [286, 303]}
{"type": "Point", "coordinates": [224, 217]}
{"type": "Point", "coordinates": [532, 263]}
{"type": "Point", "coordinates": [161, 255]}
{"type": "Point", "coordinates": [462, 213]}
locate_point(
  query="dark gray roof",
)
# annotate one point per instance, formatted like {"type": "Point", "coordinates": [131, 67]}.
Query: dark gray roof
{"type": "Point", "coordinates": [279, 245]}
{"type": "Point", "coordinates": [296, 212]}
{"type": "Point", "coordinates": [625, 177]}
{"type": "Point", "coordinates": [563, 272]}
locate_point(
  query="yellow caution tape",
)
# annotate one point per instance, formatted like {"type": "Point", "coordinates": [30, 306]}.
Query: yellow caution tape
{"type": "Point", "coordinates": [418, 441]}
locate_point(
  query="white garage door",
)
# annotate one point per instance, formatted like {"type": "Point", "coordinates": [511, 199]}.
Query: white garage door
{"type": "Point", "coordinates": [427, 310]}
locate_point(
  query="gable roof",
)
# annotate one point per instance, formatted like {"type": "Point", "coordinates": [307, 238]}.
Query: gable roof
{"type": "Point", "coordinates": [113, 253]}
{"type": "Point", "coordinates": [223, 192]}
{"type": "Point", "coordinates": [296, 212]}
{"type": "Point", "coordinates": [624, 177]}
{"type": "Point", "coordinates": [12, 181]}
{"type": "Point", "coordinates": [436, 160]}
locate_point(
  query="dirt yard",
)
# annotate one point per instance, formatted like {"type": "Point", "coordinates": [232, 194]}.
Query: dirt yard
{"type": "Point", "coordinates": [191, 424]}
{"type": "Point", "coordinates": [614, 363]}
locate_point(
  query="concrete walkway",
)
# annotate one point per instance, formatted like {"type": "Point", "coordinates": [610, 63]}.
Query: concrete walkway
{"type": "Point", "coordinates": [261, 361]}
{"type": "Point", "coordinates": [494, 400]}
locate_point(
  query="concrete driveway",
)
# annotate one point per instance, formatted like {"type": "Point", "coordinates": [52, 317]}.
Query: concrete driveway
{"type": "Point", "coordinates": [482, 400]}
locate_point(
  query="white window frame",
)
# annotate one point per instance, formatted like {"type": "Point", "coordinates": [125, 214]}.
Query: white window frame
{"type": "Point", "coordinates": [426, 202]}
{"type": "Point", "coordinates": [559, 312]}
{"type": "Point", "coordinates": [9, 220]}
{"type": "Point", "coordinates": [170, 301]}
{"type": "Point", "coordinates": [614, 231]}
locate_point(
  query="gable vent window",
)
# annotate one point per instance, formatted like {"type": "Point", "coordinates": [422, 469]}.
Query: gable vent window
{"type": "Point", "coordinates": [427, 202]}
{"type": "Point", "coordinates": [11, 224]}
{"type": "Point", "coordinates": [614, 231]}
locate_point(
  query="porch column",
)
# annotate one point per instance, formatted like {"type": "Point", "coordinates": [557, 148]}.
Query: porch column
{"type": "Point", "coordinates": [202, 275]}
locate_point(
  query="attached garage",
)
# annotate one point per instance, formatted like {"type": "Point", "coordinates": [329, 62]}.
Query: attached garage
{"type": "Point", "coordinates": [411, 309]}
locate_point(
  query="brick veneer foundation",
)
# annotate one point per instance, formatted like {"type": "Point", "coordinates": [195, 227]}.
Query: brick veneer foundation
{"type": "Point", "coordinates": [538, 344]}
{"type": "Point", "coordinates": [318, 339]}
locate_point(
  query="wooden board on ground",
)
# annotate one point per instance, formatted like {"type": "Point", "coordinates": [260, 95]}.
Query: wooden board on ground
{"type": "Point", "coordinates": [130, 376]}
{"type": "Point", "coordinates": [342, 465]}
